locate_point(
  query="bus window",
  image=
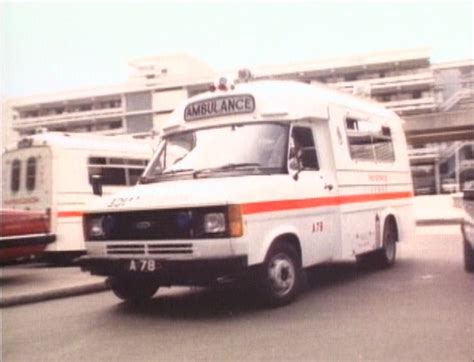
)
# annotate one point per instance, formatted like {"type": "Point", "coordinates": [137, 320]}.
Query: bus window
{"type": "Point", "coordinates": [31, 174]}
{"type": "Point", "coordinates": [116, 171]}
{"type": "Point", "coordinates": [16, 174]}
{"type": "Point", "coordinates": [134, 175]}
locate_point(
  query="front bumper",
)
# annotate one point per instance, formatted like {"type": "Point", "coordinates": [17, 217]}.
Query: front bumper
{"type": "Point", "coordinates": [171, 272]}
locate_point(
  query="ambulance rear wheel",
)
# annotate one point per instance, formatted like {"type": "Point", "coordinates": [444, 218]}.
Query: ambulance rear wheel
{"type": "Point", "coordinates": [280, 280]}
{"type": "Point", "coordinates": [132, 289]}
{"type": "Point", "coordinates": [384, 257]}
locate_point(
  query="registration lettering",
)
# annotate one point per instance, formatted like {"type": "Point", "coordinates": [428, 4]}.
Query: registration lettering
{"type": "Point", "coordinates": [143, 265]}
{"type": "Point", "coordinates": [221, 106]}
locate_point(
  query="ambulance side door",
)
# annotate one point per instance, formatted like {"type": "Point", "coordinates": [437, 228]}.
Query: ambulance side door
{"type": "Point", "coordinates": [316, 184]}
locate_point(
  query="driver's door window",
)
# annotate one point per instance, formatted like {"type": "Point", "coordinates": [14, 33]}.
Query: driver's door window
{"type": "Point", "coordinates": [302, 150]}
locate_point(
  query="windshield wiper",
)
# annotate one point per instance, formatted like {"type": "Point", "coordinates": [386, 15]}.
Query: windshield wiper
{"type": "Point", "coordinates": [229, 166]}
{"type": "Point", "coordinates": [173, 172]}
{"type": "Point", "coordinates": [150, 179]}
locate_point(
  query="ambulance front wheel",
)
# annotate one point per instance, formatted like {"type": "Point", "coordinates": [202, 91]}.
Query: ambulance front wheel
{"type": "Point", "coordinates": [133, 289]}
{"type": "Point", "coordinates": [280, 280]}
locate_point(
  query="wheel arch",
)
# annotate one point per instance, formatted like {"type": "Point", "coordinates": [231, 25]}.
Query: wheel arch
{"type": "Point", "coordinates": [291, 239]}
{"type": "Point", "coordinates": [287, 234]}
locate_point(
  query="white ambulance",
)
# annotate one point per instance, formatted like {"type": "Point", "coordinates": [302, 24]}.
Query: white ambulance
{"type": "Point", "coordinates": [52, 174]}
{"type": "Point", "coordinates": [260, 180]}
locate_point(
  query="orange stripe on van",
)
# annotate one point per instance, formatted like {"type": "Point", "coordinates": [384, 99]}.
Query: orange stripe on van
{"type": "Point", "coordinates": [70, 213]}
{"type": "Point", "coordinates": [283, 205]}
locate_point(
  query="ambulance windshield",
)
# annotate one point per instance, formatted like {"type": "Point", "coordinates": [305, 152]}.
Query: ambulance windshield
{"type": "Point", "coordinates": [245, 148]}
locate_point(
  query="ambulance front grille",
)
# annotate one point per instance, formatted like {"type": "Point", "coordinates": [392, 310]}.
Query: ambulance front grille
{"type": "Point", "coordinates": [135, 249]}
{"type": "Point", "coordinates": [150, 249]}
{"type": "Point", "coordinates": [170, 249]}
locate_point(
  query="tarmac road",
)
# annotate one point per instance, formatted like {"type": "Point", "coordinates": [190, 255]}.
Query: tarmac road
{"type": "Point", "coordinates": [422, 309]}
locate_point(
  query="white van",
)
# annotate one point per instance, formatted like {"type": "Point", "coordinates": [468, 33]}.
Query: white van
{"type": "Point", "coordinates": [261, 179]}
{"type": "Point", "coordinates": [52, 173]}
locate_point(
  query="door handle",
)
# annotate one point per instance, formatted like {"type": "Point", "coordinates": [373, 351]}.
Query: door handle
{"type": "Point", "coordinates": [328, 187]}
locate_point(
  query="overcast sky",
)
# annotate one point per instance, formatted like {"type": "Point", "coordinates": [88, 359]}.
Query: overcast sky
{"type": "Point", "coordinates": [49, 47]}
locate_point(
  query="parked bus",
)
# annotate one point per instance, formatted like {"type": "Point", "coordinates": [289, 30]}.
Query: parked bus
{"type": "Point", "coordinates": [49, 176]}
{"type": "Point", "coordinates": [265, 179]}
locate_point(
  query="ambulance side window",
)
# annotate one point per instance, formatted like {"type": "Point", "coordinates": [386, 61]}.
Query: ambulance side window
{"type": "Point", "coordinates": [303, 147]}
{"type": "Point", "coordinates": [369, 141]}
{"type": "Point", "coordinates": [31, 173]}
{"type": "Point", "coordinates": [16, 174]}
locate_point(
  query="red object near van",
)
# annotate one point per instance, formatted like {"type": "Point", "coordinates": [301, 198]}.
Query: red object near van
{"type": "Point", "coordinates": [23, 233]}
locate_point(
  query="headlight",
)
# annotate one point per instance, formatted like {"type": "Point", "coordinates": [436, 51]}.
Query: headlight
{"type": "Point", "coordinates": [228, 222]}
{"type": "Point", "coordinates": [214, 223]}
{"type": "Point", "coordinates": [99, 227]}
{"type": "Point", "coordinates": [96, 228]}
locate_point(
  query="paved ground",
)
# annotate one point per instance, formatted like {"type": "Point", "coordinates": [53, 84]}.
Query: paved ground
{"type": "Point", "coordinates": [420, 310]}
{"type": "Point", "coordinates": [28, 283]}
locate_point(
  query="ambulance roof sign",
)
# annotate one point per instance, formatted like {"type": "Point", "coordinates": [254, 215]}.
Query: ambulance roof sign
{"type": "Point", "coordinates": [219, 107]}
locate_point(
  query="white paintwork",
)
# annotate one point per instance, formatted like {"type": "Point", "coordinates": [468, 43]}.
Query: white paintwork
{"type": "Point", "coordinates": [347, 228]}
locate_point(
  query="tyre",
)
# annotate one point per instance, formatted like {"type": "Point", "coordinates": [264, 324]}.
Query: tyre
{"type": "Point", "coordinates": [468, 256]}
{"type": "Point", "coordinates": [384, 257]}
{"type": "Point", "coordinates": [281, 276]}
{"type": "Point", "coordinates": [133, 289]}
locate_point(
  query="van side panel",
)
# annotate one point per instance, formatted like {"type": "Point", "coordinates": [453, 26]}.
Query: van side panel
{"type": "Point", "coordinates": [370, 190]}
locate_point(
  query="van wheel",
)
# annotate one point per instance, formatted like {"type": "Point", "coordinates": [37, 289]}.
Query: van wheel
{"type": "Point", "coordinates": [468, 256]}
{"type": "Point", "coordinates": [384, 257]}
{"type": "Point", "coordinates": [133, 289]}
{"type": "Point", "coordinates": [281, 275]}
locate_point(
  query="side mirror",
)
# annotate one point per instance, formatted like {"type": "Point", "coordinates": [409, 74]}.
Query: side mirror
{"type": "Point", "coordinates": [97, 185]}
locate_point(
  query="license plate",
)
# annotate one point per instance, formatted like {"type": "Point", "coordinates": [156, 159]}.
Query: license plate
{"type": "Point", "coordinates": [144, 265]}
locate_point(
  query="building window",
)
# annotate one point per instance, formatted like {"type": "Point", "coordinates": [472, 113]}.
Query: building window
{"type": "Point", "coordinates": [139, 101]}
{"type": "Point", "coordinates": [16, 175]}
{"type": "Point", "coordinates": [350, 77]}
{"type": "Point", "coordinates": [31, 173]}
{"type": "Point", "coordinates": [369, 141]}
{"type": "Point", "coordinates": [116, 171]}
{"type": "Point", "coordinates": [139, 123]}
{"type": "Point", "coordinates": [85, 107]}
